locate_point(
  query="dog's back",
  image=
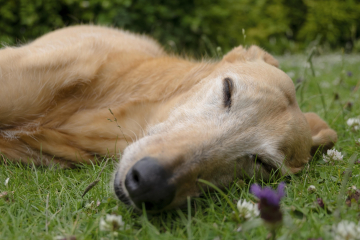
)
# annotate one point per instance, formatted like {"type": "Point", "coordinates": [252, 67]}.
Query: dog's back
{"type": "Point", "coordinates": [47, 83]}
{"type": "Point", "coordinates": [118, 40]}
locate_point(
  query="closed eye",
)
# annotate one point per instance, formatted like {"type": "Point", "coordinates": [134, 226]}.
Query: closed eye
{"type": "Point", "coordinates": [227, 89]}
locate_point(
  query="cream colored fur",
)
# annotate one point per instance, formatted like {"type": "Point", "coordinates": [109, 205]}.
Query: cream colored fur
{"type": "Point", "coordinates": [56, 93]}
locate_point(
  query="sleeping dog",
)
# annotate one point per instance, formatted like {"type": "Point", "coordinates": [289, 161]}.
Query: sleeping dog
{"type": "Point", "coordinates": [178, 120]}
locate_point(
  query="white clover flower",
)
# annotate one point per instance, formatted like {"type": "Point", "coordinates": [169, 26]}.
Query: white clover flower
{"type": "Point", "coordinates": [59, 238]}
{"type": "Point", "coordinates": [247, 210]}
{"type": "Point", "coordinates": [111, 223]}
{"type": "Point", "coordinates": [353, 188]}
{"type": "Point", "coordinates": [357, 141]}
{"type": "Point", "coordinates": [354, 123]}
{"type": "Point", "coordinates": [346, 230]}
{"type": "Point", "coordinates": [311, 189]}
{"type": "Point", "coordinates": [7, 182]}
{"type": "Point", "coordinates": [332, 155]}
{"type": "Point", "coordinates": [89, 205]}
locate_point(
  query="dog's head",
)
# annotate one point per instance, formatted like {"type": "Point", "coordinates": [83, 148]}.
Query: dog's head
{"type": "Point", "coordinates": [241, 121]}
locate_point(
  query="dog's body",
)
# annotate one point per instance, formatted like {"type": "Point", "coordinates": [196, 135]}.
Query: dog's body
{"type": "Point", "coordinates": [57, 91]}
{"type": "Point", "coordinates": [187, 119]}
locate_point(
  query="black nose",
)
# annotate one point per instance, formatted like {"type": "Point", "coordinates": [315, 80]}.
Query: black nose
{"type": "Point", "coordinates": [147, 182]}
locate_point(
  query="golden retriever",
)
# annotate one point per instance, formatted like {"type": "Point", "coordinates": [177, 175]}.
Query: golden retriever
{"type": "Point", "coordinates": [179, 120]}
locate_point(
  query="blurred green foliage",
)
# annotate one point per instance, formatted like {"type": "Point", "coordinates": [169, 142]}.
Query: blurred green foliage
{"type": "Point", "coordinates": [198, 25]}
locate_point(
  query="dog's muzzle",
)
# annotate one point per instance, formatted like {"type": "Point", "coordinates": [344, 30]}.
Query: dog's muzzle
{"type": "Point", "coordinates": [147, 184]}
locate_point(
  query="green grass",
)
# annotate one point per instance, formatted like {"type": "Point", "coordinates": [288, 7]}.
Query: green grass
{"type": "Point", "coordinates": [46, 202]}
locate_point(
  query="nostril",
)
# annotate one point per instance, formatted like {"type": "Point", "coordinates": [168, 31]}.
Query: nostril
{"type": "Point", "coordinates": [132, 181]}
{"type": "Point", "coordinates": [136, 177]}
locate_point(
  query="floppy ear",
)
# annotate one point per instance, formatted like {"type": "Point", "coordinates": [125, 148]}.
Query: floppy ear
{"type": "Point", "coordinates": [251, 54]}
{"type": "Point", "coordinates": [323, 136]}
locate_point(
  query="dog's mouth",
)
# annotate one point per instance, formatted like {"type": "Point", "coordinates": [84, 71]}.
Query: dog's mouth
{"type": "Point", "coordinates": [119, 191]}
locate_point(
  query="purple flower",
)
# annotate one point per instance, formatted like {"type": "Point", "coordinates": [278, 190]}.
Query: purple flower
{"type": "Point", "coordinates": [269, 204]}
{"type": "Point", "coordinates": [272, 197]}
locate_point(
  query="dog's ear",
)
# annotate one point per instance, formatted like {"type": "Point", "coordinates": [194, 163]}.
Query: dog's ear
{"type": "Point", "coordinates": [251, 54]}
{"type": "Point", "coordinates": [323, 136]}
{"type": "Point", "coordinates": [235, 54]}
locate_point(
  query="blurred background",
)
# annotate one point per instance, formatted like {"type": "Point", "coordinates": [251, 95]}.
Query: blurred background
{"type": "Point", "coordinates": [204, 27]}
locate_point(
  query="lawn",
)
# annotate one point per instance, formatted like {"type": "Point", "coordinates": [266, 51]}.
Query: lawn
{"type": "Point", "coordinates": [46, 203]}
